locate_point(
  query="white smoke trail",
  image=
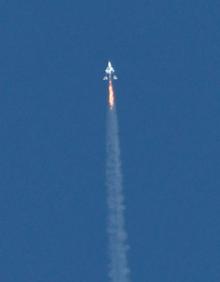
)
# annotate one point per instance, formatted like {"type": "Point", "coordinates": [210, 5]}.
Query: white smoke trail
{"type": "Point", "coordinates": [119, 271]}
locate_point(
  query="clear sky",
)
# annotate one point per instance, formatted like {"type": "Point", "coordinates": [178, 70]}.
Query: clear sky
{"type": "Point", "coordinates": [52, 138]}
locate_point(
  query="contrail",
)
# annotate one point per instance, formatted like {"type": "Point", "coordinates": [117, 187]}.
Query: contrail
{"type": "Point", "coordinates": [119, 270]}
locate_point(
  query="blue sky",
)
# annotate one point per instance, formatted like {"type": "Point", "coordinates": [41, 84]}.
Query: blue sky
{"type": "Point", "coordinates": [53, 124]}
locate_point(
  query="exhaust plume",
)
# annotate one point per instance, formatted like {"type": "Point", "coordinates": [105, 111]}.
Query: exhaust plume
{"type": "Point", "coordinates": [111, 96]}
{"type": "Point", "coordinates": [119, 271]}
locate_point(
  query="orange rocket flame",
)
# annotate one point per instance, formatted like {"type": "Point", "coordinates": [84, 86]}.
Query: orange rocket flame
{"type": "Point", "coordinates": [111, 96]}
